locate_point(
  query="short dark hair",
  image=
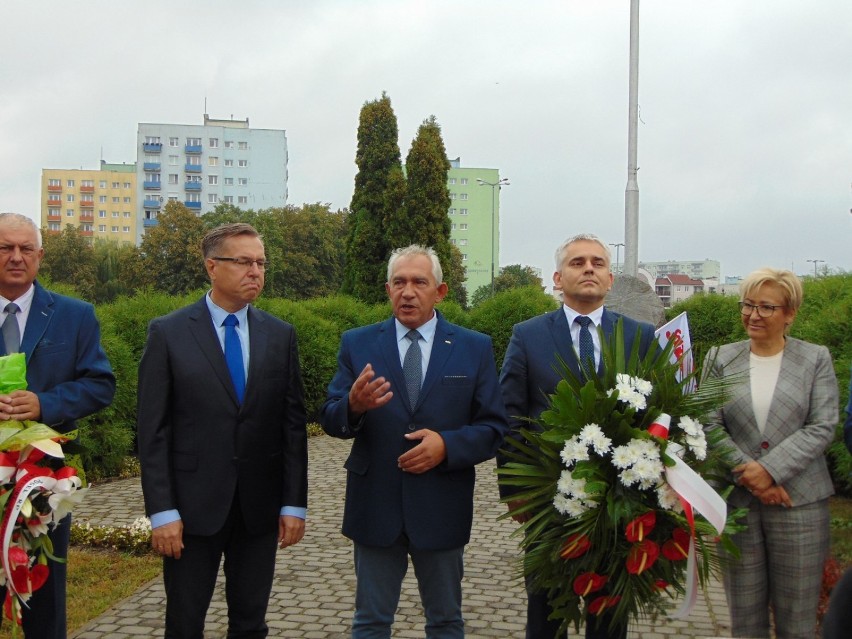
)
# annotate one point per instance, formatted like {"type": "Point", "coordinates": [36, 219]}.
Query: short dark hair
{"type": "Point", "coordinates": [212, 242]}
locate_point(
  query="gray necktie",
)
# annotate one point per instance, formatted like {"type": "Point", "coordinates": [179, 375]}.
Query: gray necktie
{"type": "Point", "coordinates": [587, 346]}
{"type": "Point", "coordinates": [11, 332]}
{"type": "Point", "coordinates": [412, 367]}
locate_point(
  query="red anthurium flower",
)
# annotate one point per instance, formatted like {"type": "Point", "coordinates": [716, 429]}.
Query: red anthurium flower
{"type": "Point", "coordinates": [575, 546]}
{"type": "Point", "coordinates": [597, 606]}
{"type": "Point", "coordinates": [641, 527]}
{"type": "Point", "coordinates": [642, 556]}
{"type": "Point", "coordinates": [677, 548]}
{"type": "Point", "coordinates": [588, 582]}
{"type": "Point", "coordinates": [38, 575]}
{"type": "Point", "coordinates": [661, 584]}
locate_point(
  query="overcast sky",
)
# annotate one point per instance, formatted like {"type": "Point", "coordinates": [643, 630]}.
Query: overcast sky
{"type": "Point", "coordinates": [745, 143]}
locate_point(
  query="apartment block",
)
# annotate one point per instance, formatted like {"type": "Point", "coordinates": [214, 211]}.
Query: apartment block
{"type": "Point", "coordinates": [100, 203]}
{"type": "Point", "coordinates": [221, 161]}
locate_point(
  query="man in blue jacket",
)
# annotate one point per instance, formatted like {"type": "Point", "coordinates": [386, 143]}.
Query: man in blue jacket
{"type": "Point", "coordinates": [420, 398]}
{"type": "Point", "coordinates": [68, 378]}
{"type": "Point", "coordinates": [530, 370]}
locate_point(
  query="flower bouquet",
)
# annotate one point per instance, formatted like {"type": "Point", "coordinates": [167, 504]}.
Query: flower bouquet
{"type": "Point", "coordinates": [621, 519]}
{"type": "Point", "coordinates": [36, 491]}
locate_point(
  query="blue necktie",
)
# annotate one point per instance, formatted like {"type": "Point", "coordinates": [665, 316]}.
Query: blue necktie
{"type": "Point", "coordinates": [412, 367]}
{"type": "Point", "coordinates": [587, 346]}
{"type": "Point", "coordinates": [234, 356]}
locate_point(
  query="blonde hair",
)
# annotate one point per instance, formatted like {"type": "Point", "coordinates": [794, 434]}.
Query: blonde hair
{"type": "Point", "coordinates": [787, 281]}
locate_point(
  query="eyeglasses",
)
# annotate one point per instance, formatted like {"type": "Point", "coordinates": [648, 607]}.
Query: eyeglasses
{"type": "Point", "coordinates": [764, 310]}
{"type": "Point", "coordinates": [244, 261]}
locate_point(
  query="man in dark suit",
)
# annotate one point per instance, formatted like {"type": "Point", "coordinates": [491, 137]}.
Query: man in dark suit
{"type": "Point", "coordinates": [68, 377]}
{"type": "Point", "coordinates": [222, 441]}
{"type": "Point", "coordinates": [411, 470]}
{"type": "Point", "coordinates": [530, 368]}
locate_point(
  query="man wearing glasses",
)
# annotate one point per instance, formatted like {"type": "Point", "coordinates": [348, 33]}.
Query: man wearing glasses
{"type": "Point", "coordinates": [222, 441]}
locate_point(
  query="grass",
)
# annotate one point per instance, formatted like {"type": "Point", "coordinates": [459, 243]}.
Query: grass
{"type": "Point", "coordinates": [841, 529]}
{"type": "Point", "coordinates": [97, 579]}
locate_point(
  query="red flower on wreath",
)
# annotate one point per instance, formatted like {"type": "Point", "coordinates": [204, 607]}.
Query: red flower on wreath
{"type": "Point", "coordinates": [575, 546]}
{"type": "Point", "coordinates": [597, 606]}
{"type": "Point", "coordinates": [588, 582]}
{"type": "Point", "coordinates": [677, 548]}
{"type": "Point", "coordinates": [642, 556]}
{"type": "Point", "coordinates": [641, 527]}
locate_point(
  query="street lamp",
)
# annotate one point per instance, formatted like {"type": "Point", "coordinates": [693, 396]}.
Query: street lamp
{"type": "Point", "coordinates": [617, 254]}
{"type": "Point", "coordinates": [815, 265]}
{"type": "Point", "coordinates": [494, 187]}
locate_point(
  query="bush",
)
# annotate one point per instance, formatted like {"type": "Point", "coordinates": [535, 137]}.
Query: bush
{"type": "Point", "coordinates": [713, 320]}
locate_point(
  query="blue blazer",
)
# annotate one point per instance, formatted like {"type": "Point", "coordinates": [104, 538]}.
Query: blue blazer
{"type": "Point", "coordinates": [66, 366]}
{"type": "Point", "coordinates": [531, 367]}
{"type": "Point", "coordinates": [460, 399]}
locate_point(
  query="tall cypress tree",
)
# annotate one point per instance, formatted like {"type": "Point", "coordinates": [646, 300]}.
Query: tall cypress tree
{"type": "Point", "coordinates": [378, 196]}
{"type": "Point", "coordinates": [427, 200]}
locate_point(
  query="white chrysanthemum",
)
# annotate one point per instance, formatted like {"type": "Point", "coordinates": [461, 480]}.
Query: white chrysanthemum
{"type": "Point", "coordinates": [567, 506]}
{"type": "Point", "coordinates": [560, 503]}
{"type": "Point", "coordinates": [628, 477]}
{"type": "Point", "coordinates": [593, 436]}
{"type": "Point", "coordinates": [698, 446]}
{"type": "Point", "coordinates": [622, 457]}
{"type": "Point", "coordinates": [645, 448]}
{"type": "Point", "coordinates": [648, 469]}
{"type": "Point", "coordinates": [636, 401]}
{"type": "Point", "coordinates": [667, 497]}
{"type": "Point", "coordinates": [642, 386]}
{"type": "Point", "coordinates": [565, 484]}
{"type": "Point", "coordinates": [690, 426]}
{"type": "Point", "coordinates": [573, 451]}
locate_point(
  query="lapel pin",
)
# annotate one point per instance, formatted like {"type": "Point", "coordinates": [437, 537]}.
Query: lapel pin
{"type": "Point", "coordinates": [446, 341]}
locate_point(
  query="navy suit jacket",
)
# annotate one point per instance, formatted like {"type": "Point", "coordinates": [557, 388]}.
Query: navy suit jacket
{"type": "Point", "coordinates": [198, 445]}
{"type": "Point", "coordinates": [531, 367]}
{"type": "Point", "coordinates": [460, 399]}
{"type": "Point", "coordinates": [66, 367]}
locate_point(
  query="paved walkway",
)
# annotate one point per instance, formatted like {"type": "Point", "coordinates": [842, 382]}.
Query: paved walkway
{"type": "Point", "coordinates": [313, 593]}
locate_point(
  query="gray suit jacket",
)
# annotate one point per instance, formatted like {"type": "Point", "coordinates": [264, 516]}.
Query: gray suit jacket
{"type": "Point", "coordinates": [801, 422]}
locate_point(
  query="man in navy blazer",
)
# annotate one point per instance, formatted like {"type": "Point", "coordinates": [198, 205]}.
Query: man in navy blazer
{"type": "Point", "coordinates": [410, 474]}
{"type": "Point", "coordinates": [223, 451]}
{"type": "Point", "coordinates": [530, 370]}
{"type": "Point", "coordinates": [68, 378]}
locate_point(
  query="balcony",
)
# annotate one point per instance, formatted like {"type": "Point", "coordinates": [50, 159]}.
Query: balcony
{"type": "Point", "coordinates": [194, 206]}
{"type": "Point", "coordinates": [151, 166]}
{"type": "Point", "coordinates": [151, 203]}
{"type": "Point", "coordinates": [54, 201]}
{"type": "Point", "coordinates": [87, 217]}
{"type": "Point", "coordinates": [87, 189]}
{"type": "Point", "coordinates": [192, 149]}
{"type": "Point", "coordinates": [192, 186]}
{"type": "Point", "coordinates": [88, 204]}
{"type": "Point", "coordinates": [151, 185]}
{"type": "Point", "coordinates": [152, 147]}
{"type": "Point", "coordinates": [54, 217]}
{"type": "Point", "coordinates": [86, 232]}
{"type": "Point", "coordinates": [54, 188]}
{"type": "Point", "coordinates": [148, 223]}
{"type": "Point", "coordinates": [192, 168]}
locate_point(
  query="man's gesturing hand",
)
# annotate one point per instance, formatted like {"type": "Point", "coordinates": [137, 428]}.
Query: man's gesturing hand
{"type": "Point", "coordinates": [368, 393]}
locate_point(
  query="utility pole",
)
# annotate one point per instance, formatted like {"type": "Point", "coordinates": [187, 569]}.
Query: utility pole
{"type": "Point", "coordinates": [631, 194]}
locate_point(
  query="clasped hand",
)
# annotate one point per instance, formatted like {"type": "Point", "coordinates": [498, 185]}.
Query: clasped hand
{"type": "Point", "coordinates": [756, 479]}
{"type": "Point", "coordinates": [20, 405]}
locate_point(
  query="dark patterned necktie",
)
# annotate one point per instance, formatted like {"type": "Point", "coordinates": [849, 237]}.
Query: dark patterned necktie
{"type": "Point", "coordinates": [412, 367]}
{"type": "Point", "coordinates": [587, 346]}
{"type": "Point", "coordinates": [11, 331]}
{"type": "Point", "coordinates": [234, 356]}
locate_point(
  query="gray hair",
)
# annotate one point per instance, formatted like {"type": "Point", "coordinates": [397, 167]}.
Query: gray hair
{"type": "Point", "coordinates": [212, 242]}
{"type": "Point", "coordinates": [582, 237]}
{"type": "Point", "coordinates": [17, 218]}
{"type": "Point", "coordinates": [413, 251]}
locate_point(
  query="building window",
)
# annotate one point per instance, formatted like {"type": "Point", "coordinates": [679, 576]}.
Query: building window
{"type": "Point", "coordinates": [464, 257]}
{"type": "Point", "coordinates": [212, 161]}
{"type": "Point", "coordinates": [103, 184]}
{"type": "Point", "coordinates": [173, 178]}
{"type": "Point", "coordinates": [90, 183]}
{"type": "Point", "coordinates": [152, 177]}
{"type": "Point", "coordinates": [126, 214]}
{"type": "Point", "coordinates": [212, 198]}
{"type": "Point", "coordinates": [453, 242]}
{"type": "Point", "coordinates": [116, 200]}
{"type": "Point", "coordinates": [115, 185]}
{"type": "Point", "coordinates": [70, 183]}
{"type": "Point", "coordinates": [242, 181]}
{"type": "Point", "coordinates": [69, 212]}
{"type": "Point", "coordinates": [115, 229]}
{"type": "Point", "coordinates": [126, 200]}
{"type": "Point", "coordinates": [464, 180]}
{"type": "Point", "coordinates": [242, 199]}
{"type": "Point", "coordinates": [70, 197]}
{"type": "Point", "coordinates": [452, 180]}
{"type": "Point", "coordinates": [125, 229]}
{"type": "Point", "coordinates": [463, 227]}
{"type": "Point", "coordinates": [228, 199]}
{"type": "Point", "coordinates": [193, 197]}
{"type": "Point", "coordinates": [102, 228]}
{"type": "Point", "coordinates": [462, 196]}
{"type": "Point", "coordinates": [115, 213]}
{"type": "Point", "coordinates": [193, 178]}
{"type": "Point", "coordinates": [54, 182]}
{"type": "Point", "coordinates": [173, 160]}
{"type": "Point", "coordinates": [452, 211]}
{"type": "Point", "coordinates": [102, 199]}
{"type": "Point", "coordinates": [152, 139]}
{"type": "Point", "coordinates": [193, 160]}
{"type": "Point", "coordinates": [53, 226]}
{"type": "Point", "coordinates": [174, 141]}
{"type": "Point", "coordinates": [229, 163]}
{"type": "Point", "coordinates": [193, 141]}
{"type": "Point", "coordinates": [212, 179]}
{"type": "Point", "coordinates": [463, 242]}
{"type": "Point", "coordinates": [54, 212]}
{"type": "Point", "coordinates": [214, 143]}
{"type": "Point", "coordinates": [229, 144]}
{"type": "Point", "coordinates": [101, 213]}
{"type": "Point", "coordinates": [453, 228]}
{"type": "Point", "coordinates": [462, 211]}
{"type": "Point", "coordinates": [452, 196]}
{"type": "Point", "coordinates": [229, 181]}
{"type": "Point", "coordinates": [127, 185]}
{"type": "Point", "coordinates": [242, 163]}
{"type": "Point", "coordinates": [242, 146]}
